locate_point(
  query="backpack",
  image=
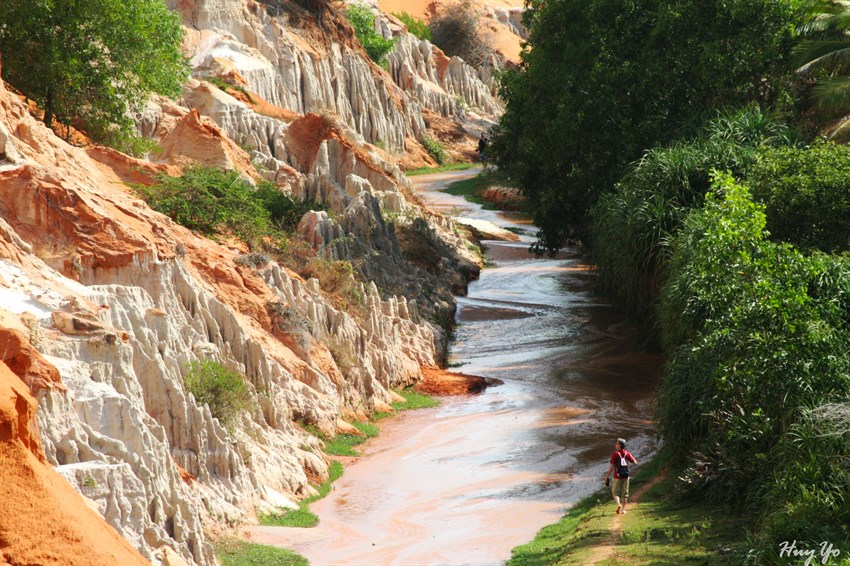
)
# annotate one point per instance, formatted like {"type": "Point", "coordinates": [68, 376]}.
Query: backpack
{"type": "Point", "coordinates": [623, 466]}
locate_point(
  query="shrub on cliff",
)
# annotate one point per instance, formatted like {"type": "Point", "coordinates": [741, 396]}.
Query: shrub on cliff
{"type": "Point", "coordinates": [363, 21]}
{"type": "Point", "coordinates": [416, 27]}
{"type": "Point", "coordinates": [218, 386]}
{"type": "Point", "coordinates": [89, 63]}
{"type": "Point", "coordinates": [217, 202]}
{"type": "Point", "coordinates": [211, 201]}
{"type": "Point", "coordinates": [434, 148]}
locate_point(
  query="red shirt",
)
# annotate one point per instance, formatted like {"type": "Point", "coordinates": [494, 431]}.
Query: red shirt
{"type": "Point", "coordinates": [615, 460]}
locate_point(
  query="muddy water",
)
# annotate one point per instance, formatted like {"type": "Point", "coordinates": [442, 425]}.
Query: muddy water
{"type": "Point", "coordinates": [468, 481]}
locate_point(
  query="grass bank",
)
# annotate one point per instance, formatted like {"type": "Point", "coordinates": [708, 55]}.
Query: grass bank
{"type": "Point", "coordinates": [234, 552]}
{"type": "Point", "coordinates": [440, 169]}
{"type": "Point", "coordinates": [659, 528]}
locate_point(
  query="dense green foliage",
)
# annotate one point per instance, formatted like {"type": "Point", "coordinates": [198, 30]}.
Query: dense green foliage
{"type": "Point", "coordinates": [241, 553]}
{"type": "Point", "coordinates": [415, 26]}
{"type": "Point", "coordinates": [363, 21]}
{"type": "Point", "coordinates": [604, 80]}
{"type": "Point", "coordinates": [88, 63]}
{"type": "Point", "coordinates": [218, 202]}
{"type": "Point", "coordinates": [806, 194]}
{"type": "Point", "coordinates": [218, 386]}
{"type": "Point", "coordinates": [814, 486]}
{"type": "Point", "coordinates": [753, 315]}
{"type": "Point", "coordinates": [757, 334]}
{"type": "Point", "coordinates": [633, 225]}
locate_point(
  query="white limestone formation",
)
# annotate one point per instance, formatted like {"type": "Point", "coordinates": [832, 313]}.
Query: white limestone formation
{"type": "Point", "coordinates": [448, 86]}
{"type": "Point", "coordinates": [286, 58]}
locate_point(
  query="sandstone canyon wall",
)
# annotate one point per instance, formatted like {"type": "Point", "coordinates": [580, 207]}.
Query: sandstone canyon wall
{"type": "Point", "coordinates": [110, 301]}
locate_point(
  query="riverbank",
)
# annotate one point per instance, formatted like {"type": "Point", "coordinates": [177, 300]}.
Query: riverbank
{"type": "Point", "coordinates": [658, 528]}
{"type": "Point", "coordinates": [468, 481]}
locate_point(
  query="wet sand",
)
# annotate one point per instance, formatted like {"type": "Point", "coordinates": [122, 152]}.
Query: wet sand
{"type": "Point", "coordinates": [466, 482]}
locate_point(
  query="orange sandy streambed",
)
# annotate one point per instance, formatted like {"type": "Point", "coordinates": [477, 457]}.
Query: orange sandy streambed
{"type": "Point", "coordinates": [466, 482]}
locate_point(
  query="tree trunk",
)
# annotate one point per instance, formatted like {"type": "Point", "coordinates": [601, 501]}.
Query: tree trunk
{"type": "Point", "coordinates": [48, 108]}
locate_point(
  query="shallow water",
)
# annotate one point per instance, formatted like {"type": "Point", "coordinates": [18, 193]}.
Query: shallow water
{"type": "Point", "coordinates": [466, 482]}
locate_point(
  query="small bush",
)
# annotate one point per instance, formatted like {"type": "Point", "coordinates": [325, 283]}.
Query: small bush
{"type": "Point", "coordinates": [211, 201]}
{"type": "Point", "coordinates": [418, 28]}
{"type": "Point", "coordinates": [137, 146]}
{"type": "Point", "coordinates": [363, 21]}
{"type": "Point", "coordinates": [338, 280]}
{"type": "Point", "coordinates": [456, 31]}
{"type": "Point", "coordinates": [216, 202]}
{"type": "Point", "coordinates": [285, 212]}
{"type": "Point", "coordinates": [252, 260]}
{"type": "Point", "coordinates": [222, 388]}
{"type": "Point", "coordinates": [434, 148]}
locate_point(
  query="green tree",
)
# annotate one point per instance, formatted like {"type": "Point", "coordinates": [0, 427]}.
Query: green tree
{"type": "Point", "coordinates": [88, 63]}
{"type": "Point", "coordinates": [604, 80]}
{"type": "Point", "coordinates": [757, 333]}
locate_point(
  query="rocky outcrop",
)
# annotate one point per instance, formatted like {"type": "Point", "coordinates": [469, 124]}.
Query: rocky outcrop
{"type": "Point", "coordinates": [317, 158]}
{"type": "Point", "coordinates": [304, 61]}
{"type": "Point", "coordinates": [104, 303]}
{"type": "Point", "coordinates": [445, 85]}
{"type": "Point", "coordinates": [485, 230]}
{"type": "Point", "coordinates": [292, 60]}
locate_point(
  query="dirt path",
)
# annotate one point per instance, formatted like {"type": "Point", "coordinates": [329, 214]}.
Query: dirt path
{"type": "Point", "coordinates": [605, 550]}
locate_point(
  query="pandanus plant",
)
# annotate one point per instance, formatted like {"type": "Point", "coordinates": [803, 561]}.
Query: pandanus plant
{"type": "Point", "coordinates": [823, 54]}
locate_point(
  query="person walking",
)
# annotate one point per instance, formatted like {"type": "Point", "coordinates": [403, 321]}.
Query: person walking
{"type": "Point", "coordinates": [620, 460]}
{"type": "Point", "coordinates": [482, 148]}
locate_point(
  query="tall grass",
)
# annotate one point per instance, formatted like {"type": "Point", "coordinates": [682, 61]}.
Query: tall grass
{"type": "Point", "coordinates": [633, 226]}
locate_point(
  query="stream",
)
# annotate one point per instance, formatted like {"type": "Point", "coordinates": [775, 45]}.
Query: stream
{"type": "Point", "coordinates": [466, 482]}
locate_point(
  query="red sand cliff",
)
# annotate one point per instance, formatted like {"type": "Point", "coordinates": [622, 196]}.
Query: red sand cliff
{"type": "Point", "coordinates": [42, 519]}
